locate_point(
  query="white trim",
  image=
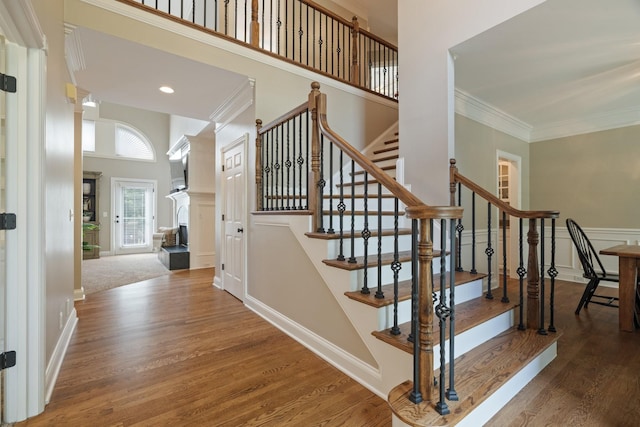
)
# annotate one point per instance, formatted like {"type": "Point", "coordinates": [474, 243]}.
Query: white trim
{"type": "Point", "coordinates": [154, 213]}
{"type": "Point", "coordinates": [60, 350]}
{"type": "Point", "coordinates": [108, 156]}
{"type": "Point", "coordinates": [19, 23]}
{"type": "Point", "coordinates": [234, 105]}
{"type": "Point", "coordinates": [334, 355]}
{"type": "Point", "coordinates": [482, 112]}
{"type": "Point", "coordinates": [217, 282]}
{"type": "Point", "coordinates": [226, 45]}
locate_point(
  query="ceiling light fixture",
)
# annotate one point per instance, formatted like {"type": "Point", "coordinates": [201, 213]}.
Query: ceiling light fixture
{"type": "Point", "coordinates": [166, 89]}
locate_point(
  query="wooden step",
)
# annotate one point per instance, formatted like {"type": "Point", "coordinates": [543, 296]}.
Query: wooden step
{"type": "Point", "coordinates": [336, 236]}
{"type": "Point", "coordinates": [385, 150]}
{"type": "Point", "coordinates": [404, 290]}
{"type": "Point", "coordinates": [359, 196]}
{"type": "Point", "coordinates": [479, 373]}
{"type": "Point", "coordinates": [370, 213]}
{"type": "Point", "coordinates": [384, 168]}
{"type": "Point", "coordinates": [468, 315]}
{"type": "Point", "coordinates": [392, 141]}
{"type": "Point", "coordinates": [356, 183]}
{"type": "Point", "coordinates": [372, 260]}
{"type": "Point", "coordinates": [382, 159]}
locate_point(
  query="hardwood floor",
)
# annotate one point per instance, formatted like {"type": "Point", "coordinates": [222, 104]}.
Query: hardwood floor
{"type": "Point", "coordinates": [594, 380]}
{"type": "Point", "coordinates": [176, 351]}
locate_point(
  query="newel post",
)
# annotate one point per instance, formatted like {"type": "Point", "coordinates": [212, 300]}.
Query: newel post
{"type": "Point", "coordinates": [355, 65]}
{"type": "Point", "coordinates": [255, 25]}
{"type": "Point", "coordinates": [315, 205]}
{"type": "Point", "coordinates": [425, 316]}
{"type": "Point", "coordinates": [453, 169]}
{"type": "Point", "coordinates": [533, 277]}
{"type": "Point", "coordinates": [259, 195]}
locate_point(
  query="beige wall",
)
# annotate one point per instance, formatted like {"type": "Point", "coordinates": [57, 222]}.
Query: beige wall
{"type": "Point", "coordinates": [156, 127]}
{"type": "Point", "coordinates": [592, 178]}
{"type": "Point", "coordinates": [59, 175]}
{"type": "Point", "coordinates": [476, 154]}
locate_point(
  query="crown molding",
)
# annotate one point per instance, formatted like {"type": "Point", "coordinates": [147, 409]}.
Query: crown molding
{"type": "Point", "coordinates": [475, 109]}
{"type": "Point", "coordinates": [234, 105]}
{"type": "Point", "coordinates": [587, 124]}
{"type": "Point", "coordinates": [19, 23]}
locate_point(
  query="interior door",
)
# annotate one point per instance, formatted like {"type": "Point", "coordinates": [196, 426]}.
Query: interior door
{"type": "Point", "coordinates": [134, 216]}
{"type": "Point", "coordinates": [234, 211]}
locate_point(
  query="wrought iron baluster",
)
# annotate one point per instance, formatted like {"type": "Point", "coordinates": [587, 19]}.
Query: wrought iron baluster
{"type": "Point", "coordinates": [366, 233]}
{"type": "Point", "coordinates": [246, 39]}
{"type": "Point", "coordinates": [226, 17]}
{"type": "Point", "coordinates": [301, 33]}
{"type": "Point", "coordinates": [341, 209]}
{"type": "Point", "coordinates": [215, 15]}
{"type": "Point", "coordinates": [262, 25]}
{"type": "Point", "coordinates": [286, 28]}
{"type": "Point", "coordinates": [326, 49]}
{"type": "Point", "coordinates": [379, 218]}
{"type": "Point", "coordinates": [542, 330]}
{"type": "Point", "coordinates": [272, 169]}
{"type": "Point", "coordinates": [451, 391]}
{"type": "Point", "coordinates": [352, 258]}
{"type": "Point", "coordinates": [489, 252]}
{"type": "Point", "coordinates": [442, 311]}
{"type": "Point", "coordinates": [320, 42]}
{"type": "Point", "coordinates": [396, 266]}
{"type": "Point", "coordinates": [552, 274]}
{"type": "Point", "coordinates": [473, 234]}
{"type": "Point", "coordinates": [278, 25]}
{"type": "Point", "coordinates": [521, 273]}
{"type": "Point", "coordinates": [332, 44]}
{"type": "Point", "coordinates": [287, 163]}
{"type": "Point", "coordinates": [235, 20]}
{"type": "Point", "coordinates": [505, 297]}
{"type": "Point", "coordinates": [331, 230]}
{"type": "Point", "coordinates": [300, 162]}
{"type": "Point", "coordinates": [307, 158]}
{"type": "Point", "coordinates": [293, 164]}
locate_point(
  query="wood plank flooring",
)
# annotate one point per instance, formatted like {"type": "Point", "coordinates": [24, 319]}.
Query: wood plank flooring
{"type": "Point", "coordinates": [177, 351]}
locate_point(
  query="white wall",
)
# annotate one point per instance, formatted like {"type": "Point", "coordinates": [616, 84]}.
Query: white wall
{"type": "Point", "coordinates": [426, 31]}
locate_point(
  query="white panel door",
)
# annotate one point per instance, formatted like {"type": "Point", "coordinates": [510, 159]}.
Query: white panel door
{"type": "Point", "coordinates": [234, 210]}
{"type": "Point", "coordinates": [134, 212]}
{"type": "Point", "coordinates": [2, 209]}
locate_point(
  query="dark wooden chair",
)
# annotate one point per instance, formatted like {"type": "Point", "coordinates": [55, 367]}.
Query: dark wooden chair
{"type": "Point", "coordinates": [592, 268]}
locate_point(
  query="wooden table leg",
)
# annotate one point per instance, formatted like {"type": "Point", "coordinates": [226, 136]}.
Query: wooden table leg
{"type": "Point", "coordinates": [627, 292]}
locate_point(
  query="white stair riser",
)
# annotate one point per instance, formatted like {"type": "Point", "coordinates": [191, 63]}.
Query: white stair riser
{"type": "Point", "coordinates": [372, 204]}
{"type": "Point", "coordinates": [358, 221]}
{"type": "Point", "coordinates": [404, 243]}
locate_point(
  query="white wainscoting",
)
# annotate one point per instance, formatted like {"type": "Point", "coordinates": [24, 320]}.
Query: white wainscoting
{"type": "Point", "coordinates": [566, 261]}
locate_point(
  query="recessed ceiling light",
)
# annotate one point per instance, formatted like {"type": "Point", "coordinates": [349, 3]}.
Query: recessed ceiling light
{"type": "Point", "coordinates": [166, 89]}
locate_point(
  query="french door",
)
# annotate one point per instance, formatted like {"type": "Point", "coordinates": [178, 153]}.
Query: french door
{"type": "Point", "coordinates": [133, 215]}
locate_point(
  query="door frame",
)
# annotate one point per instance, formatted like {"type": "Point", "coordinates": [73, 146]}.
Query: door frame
{"type": "Point", "coordinates": [25, 295]}
{"type": "Point", "coordinates": [114, 183]}
{"type": "Point", "coordinates": [514, 230]}
{"type": "Point", "coordinates": [244, 142]}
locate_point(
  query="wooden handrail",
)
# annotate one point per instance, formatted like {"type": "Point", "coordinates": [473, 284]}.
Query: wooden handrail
{"type": "Point", "coordinates": [285, 117]}
{"type": "Point", "coordinates": [457, 177]}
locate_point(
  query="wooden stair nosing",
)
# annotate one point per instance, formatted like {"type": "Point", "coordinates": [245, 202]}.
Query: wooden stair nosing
{"type": "Point", "coordinates": [468, 314]}
{"type": "Point", "coordinates": [479, 373]}
{"type": "Point", "coordinates": [404, 290]}
{"type": "Point", "coordinates": [372, 260]}
{"type": "Point", "coordinates": [392, 141]}
{"type": "Point", "coordinates": [336, 236]}
{"type": "Point", "coordinates": [385, 158]}
{"type": "Point", "coordinates": [385, 150]}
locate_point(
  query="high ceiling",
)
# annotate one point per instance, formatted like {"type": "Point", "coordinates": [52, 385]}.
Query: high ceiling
{"type": "Point", "coordinates": [565, 61]}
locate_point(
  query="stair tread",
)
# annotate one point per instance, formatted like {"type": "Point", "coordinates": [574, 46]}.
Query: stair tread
{"type": "Point", "coordinates": [385, 158]}
{"type": "Point", "coordinates": [385, 149]}
{"type": "Point", "coordinates": [355, 183]}
{"type": "Point", "coordinates": [360, 196]}
{"type": "Point", "coordinates": [404, 290]}
{"type": "Point", "coordinates": [468, 315]}
{"type": "Point", "coordinates": [372, 260]}
{"type": "Point", "coordinates": [384, 168]}
{"type": "Point", "coordinates": [371, 212]}
{"type": "Point", "coordinates": [393, 141]}
{"type": "Point", "coordinates": [335, 236]}
{"type": "Point", "coordinates": [479, 373]}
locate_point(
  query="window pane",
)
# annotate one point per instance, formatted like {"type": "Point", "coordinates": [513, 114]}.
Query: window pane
{"type": "Point", "coordinates": [88, 135]}
{"type": "Point", "coordinates": [130, 143]}
{"type": "Point", "coordinates": [134, 218]}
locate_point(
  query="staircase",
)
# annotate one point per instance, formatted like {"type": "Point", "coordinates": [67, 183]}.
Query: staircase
{"type": "Point", "coordinates": [366, 248]}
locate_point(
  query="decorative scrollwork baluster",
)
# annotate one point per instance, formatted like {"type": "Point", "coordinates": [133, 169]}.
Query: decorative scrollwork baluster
{"type": "Point", "coordinates": [542, 330]}
{"type": "Point", "coordinates": [505, 297]}
{"type": "Point", "coordinates": [521, 273]}
{"type": "Point", "coordinates": [341, 208]}
{"type": "Point", "coordinates": [489, 252]}
{"type": "Point", "coordinates": [552, 274]}
{"type": "Point", "coordinates": [396, 266]}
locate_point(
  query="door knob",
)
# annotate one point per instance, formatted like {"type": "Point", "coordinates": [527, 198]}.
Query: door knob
{"type": "Point", "coordinates": [240, 230]}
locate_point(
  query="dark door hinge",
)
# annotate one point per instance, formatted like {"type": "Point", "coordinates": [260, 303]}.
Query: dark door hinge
{"type": "Point", "coordinates": [7, 221]}
{"type": "Point", "coordinates": [222, 267]}
{"type": "Point", "coordinates": [7, 83]}
{"type": "Point", "coordinates": [223, 217]}
{"type": "Point", "coordinates": [7, 360]}
{"type": "Point", "coordinates": [222, 168]}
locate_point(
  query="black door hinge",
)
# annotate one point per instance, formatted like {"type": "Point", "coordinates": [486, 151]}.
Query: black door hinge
{"type": "Point", "coordinates": [7, 360]}
{"type": "Point", "coordinates": [222, 267]}
{"type": "Point", "coordinates": [7, 83]}
{"type": "Point", "coordinates": [7, 221]}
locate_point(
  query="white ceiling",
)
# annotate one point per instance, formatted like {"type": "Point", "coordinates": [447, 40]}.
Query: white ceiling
{"type": "Point", "coordinates": [565, 61]}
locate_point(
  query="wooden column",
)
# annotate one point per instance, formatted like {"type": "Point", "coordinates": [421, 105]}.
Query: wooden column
{"type": "Point", "coordinates": [425, 317]}
{"type": "Point", "coordinates": [315, 205]}
{"type": "Point", "coordinates": [259, 194]}
{"type": "Point", "coordinates": [255, 25]}
{"type": "Point", "coordinates": [355, 66]}
{"type": "Point", "coordinates": [533, 277]}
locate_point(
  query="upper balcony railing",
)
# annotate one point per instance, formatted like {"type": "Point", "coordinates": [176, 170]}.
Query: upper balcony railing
{"type": "Point", "coordinates": [298, 31]}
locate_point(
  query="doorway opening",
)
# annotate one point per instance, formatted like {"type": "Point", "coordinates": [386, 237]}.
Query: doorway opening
{"type": "Point", "coordinates": [134, 206]}
{"type": "Point", "coordinates": [509, 191]}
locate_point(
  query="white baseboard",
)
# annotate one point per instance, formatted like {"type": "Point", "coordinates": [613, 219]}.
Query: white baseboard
{"type": "Point", "coordinates": [55, 363]}
{"type": "Point", "coordinates": [217, 282]}
{"type": "Point", "coordinates": [353, 367]}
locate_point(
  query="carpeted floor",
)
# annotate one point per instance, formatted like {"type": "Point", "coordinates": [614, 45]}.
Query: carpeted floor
{"type": "Point", "coordinates": [113, 271]}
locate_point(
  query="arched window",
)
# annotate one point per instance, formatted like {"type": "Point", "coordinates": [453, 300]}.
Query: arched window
{"type": "Point", "coordinates": [132, 144]}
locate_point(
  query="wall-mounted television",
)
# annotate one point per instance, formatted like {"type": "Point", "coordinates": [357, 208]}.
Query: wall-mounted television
{"type": "Point", "coordinates": [179, 173]}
